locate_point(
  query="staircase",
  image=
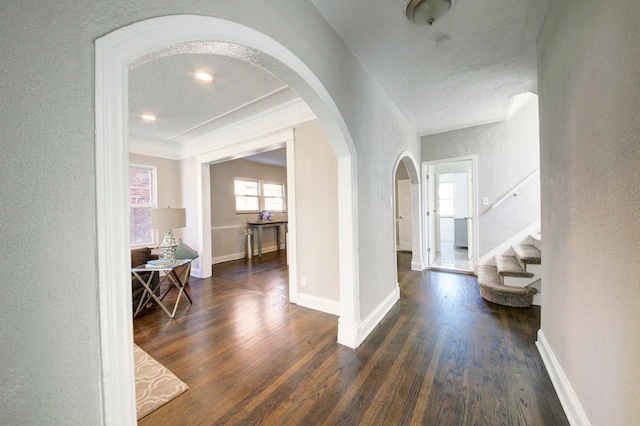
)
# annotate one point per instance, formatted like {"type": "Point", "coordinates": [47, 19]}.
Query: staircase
{"type": "Point", "coordinates": [514, 280]}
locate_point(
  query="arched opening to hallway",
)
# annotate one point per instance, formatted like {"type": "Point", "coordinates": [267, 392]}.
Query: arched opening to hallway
{"type": "Point", "coordinates": [114, 53]}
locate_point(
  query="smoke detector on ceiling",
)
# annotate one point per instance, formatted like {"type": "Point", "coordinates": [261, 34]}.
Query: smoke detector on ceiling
{"type": "Point", "coordinates": [427, 11]}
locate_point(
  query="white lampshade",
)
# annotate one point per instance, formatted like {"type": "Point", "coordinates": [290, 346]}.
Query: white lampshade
{"type": "Point", "coordinates": [168, 218]}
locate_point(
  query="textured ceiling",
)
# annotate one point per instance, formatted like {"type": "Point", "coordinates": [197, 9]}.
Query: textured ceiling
{"type": "Point", "coordinates": [186, 107]}
{"type": "Point", "coordinates": [463, 71]}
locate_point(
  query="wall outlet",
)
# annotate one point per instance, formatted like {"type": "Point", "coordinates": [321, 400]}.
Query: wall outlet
{"type": "Point", "coordinates": [303, 281]}
{"type": "Point", "coordinates": [485, 201]}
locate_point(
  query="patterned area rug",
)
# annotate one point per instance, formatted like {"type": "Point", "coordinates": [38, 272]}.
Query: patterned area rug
{"type": "Point", "coordinates": [155, 384]}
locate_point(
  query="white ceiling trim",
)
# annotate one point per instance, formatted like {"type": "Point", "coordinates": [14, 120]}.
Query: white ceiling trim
{"type": "Point", "coordinates": [153, 148]}
{"type": "Point", "coordinates": [272, 120]}
{"type": "Point", "coordinates": [463, 126]}
{"type": "Point", "coordinates": [514, 105]}
{"type": "Point", "coordinates": [231, 111]}
{"type": "Point", "coordinates": [281, 117]}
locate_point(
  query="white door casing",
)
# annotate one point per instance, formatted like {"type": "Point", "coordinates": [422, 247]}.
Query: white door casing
{"type": "Point", "coordinates": [430, 205]}
{"type": "Point", "coordinates": [432, 214]}
{"type": "Point", "coordinates": [113, 54]}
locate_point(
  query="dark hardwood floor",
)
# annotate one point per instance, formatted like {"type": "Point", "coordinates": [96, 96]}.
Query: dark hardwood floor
{"type": "Point", "coordinates": [442, 356]}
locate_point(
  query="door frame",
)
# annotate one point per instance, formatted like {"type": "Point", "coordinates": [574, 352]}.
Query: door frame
{"type": "Point", "coordinates": [428, 192]}
{"type": "Point", "coordinates": [417, 258]}
{"type": "Point", "coordinates": [113, 54]}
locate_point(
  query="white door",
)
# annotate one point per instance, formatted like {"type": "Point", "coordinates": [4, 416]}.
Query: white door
{"type": "Point", "coordinates": [404, 215]}
{"type": "Point", "coordinates": [431, 215]}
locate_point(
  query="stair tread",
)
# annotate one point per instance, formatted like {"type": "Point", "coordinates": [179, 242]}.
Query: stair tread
{"type": "Point", "coordinates": [536, 240]}
{"type": "Point", "coordinates": [492, 289]}
{"type": "Point", "coordinates": [508, 266]}
{"type": "Point", "coordinates": [488, 276]}
{"type": "Point", "coordinates": [528, 253]}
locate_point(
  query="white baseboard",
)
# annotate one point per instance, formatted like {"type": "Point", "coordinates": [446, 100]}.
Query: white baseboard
{"type": "Point", "coordinates": [417, 265]}
{"type": "Point", "coordinates": [487, 259]}
{"type": "Point", "coordinates": [568, 398]}
{"type": "Point", "coordinates": [366, 326]}
{"type": "Point", "coordinates": [347, 335]}
{"type": "Point", "coordinates": [241, 255]}
{"type": "Point", "coordinates": [227, 258]}
{"type": "Point", "coordinates": [318, 303]}
{"type": "Point", "coordinates": [353, 335]}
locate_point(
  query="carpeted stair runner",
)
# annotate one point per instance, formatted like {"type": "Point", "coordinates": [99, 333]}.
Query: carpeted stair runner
{"type": "Point", "coordinates": [492, 289]}
{"type": "Point", "coordinates": [508, 266]}
{"type": "Point", "coordinates": [528, 254]}
{"type": "Point", "coordinates": [492, 278]}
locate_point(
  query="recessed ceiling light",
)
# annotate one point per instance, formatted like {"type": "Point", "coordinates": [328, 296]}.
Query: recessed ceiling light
{"type": "Point", "coordinates": [204, 76]}
{"type": "Point", "coordinates": [149, 117]}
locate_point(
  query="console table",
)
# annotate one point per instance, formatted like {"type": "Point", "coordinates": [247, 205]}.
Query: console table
{"type": "Point", "coordinates": [174, 280]}
{"type": "Point", "coordinates": [266, 224]}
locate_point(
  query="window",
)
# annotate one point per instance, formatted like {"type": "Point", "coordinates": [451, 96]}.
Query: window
{"type": "Point", "coordinates": [141, 200]}
{"type": "Point", "coordinates": [255, 195]}
{"type": "Point", "coordinates": [273, 197]}
{"type": "Point", "coordinates": [446, 199]}
{"type": "Point", "coordinates": [247, 195]}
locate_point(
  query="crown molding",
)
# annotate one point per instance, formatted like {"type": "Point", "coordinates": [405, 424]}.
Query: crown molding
{"type": "Point", "coordinates": [268, 121]}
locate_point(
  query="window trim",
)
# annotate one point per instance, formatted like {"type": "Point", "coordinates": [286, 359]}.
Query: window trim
{"type": "Point", "coordinates": [235, 196]}
{"type": "Point", "coordinates": [261, 197]}
{"type": "Point", "coordinates": [264, 197]}
{"type": "Point", "coordinates": [154, 200]}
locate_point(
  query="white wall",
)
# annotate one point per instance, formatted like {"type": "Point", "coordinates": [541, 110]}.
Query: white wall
{"type": "Point", "coordinates": [507, 153]}
{"type": "Point", "coordinates": [588, 64]}
{"type": "Point", "coordinates": [50, 335]}
{"type": "Point", "coordinates": [317, 212]}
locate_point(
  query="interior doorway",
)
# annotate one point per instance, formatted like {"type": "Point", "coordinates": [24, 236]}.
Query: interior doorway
{"type": "Point", "coordinates": [450, 212]}
{"type": "Point", "coordinates": [407, 210]}
{"type": "Point", "coordinates": [404, 212]}
{"type": "Point", "coordinates": [113, 53]}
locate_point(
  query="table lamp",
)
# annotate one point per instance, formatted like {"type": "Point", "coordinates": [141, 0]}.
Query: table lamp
{"type": "Point", "coordinates": [168, 219]}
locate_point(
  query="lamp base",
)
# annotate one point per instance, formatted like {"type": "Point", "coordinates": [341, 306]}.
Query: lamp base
{"type": "Point", "coordinates": [168, 246]}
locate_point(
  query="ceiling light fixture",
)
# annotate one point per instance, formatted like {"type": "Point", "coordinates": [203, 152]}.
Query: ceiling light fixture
{"type": "Point", "coordinates": [204, 76]}
{"type": "Point", "coordinates": [149, 117]}
{"type": "Point", "coordinates": [427, 11]}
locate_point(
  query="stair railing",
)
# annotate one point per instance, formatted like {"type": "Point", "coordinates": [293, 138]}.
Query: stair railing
{"type": "Point", "coordinates": [513, 192]}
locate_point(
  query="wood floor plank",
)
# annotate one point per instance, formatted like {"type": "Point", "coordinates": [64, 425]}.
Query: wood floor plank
{"type": "Point", "coordinates": [442, 355]}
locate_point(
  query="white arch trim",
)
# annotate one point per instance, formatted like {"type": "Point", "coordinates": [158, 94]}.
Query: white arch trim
{"type": "Point", "coordinates": [409, 161]}
{"type": "Point", "coordinates": [114, 52]}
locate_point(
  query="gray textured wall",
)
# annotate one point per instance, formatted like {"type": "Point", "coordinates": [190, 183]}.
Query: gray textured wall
{"type": "Point", "coordinates": [49, 311]}
{"type": "Point", "coordinates": [507, 153]}
{"type": "Point", "coordinates": [590, 154]}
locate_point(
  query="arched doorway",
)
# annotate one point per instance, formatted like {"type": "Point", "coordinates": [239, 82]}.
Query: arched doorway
{"type": "Point", "coordinates": [406, 161]}
{"type": "Point", "coordinates": [114, 53]}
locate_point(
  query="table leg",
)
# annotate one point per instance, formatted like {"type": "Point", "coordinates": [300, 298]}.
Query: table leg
{"type": "Point", "coordinates": [152, 292]}
{"type": "Point", "coordinates": [144, 298]}
{"type": "Point", "coordinates": [182, 279]}
{"type": "Point", "coordinates": [278, 237]}
{"type": "Point", "coordinates": [259, 241]}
